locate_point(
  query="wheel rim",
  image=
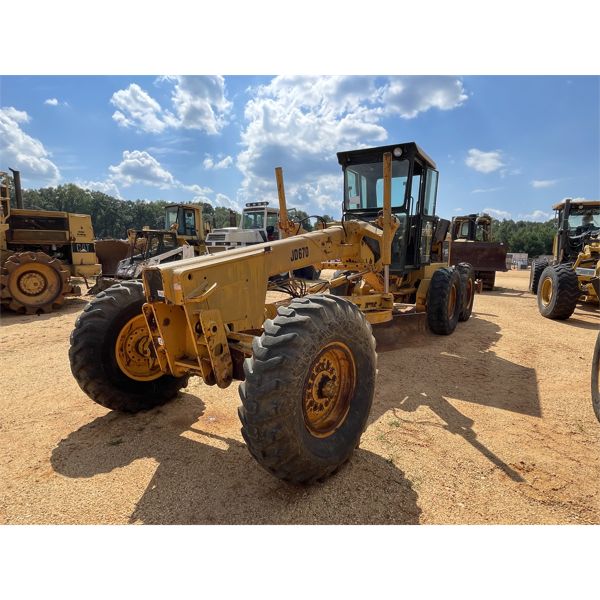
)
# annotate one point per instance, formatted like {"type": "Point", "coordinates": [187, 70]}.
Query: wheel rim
{"type": "Point", "coordinates": [35, 284]}
{"type": "Point", "coordinates": [134, 352]}
{"type": "Point", "coordinates": [32, 283]}
{"type": "Point", "coordinates": [470, 291]}
{"type": "Point", "coordinates": [452, 301]}
{"type": "Point", "coordinates": [546, 291]}
{"type": "Point", "coordinates": [328, 390]}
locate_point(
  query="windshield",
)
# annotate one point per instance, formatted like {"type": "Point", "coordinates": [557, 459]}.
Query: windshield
{"type": "Point", "coordinates": [586, 217]}
{"type": "Point", "coordinates": [254, 220]}
{"type": "Point", "coordinates": [363, 185]}
{"type": "Point", "coordinates": [171, 216]}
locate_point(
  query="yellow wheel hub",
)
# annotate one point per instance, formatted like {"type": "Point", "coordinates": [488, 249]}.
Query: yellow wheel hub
{"type": "Point", "coordinates": [134, 353]}
{"type": "Point", "coordinates": [328, 390]}
{"type": "Point", "coordinates": [35, 283]}
{"type": "Point", "coordinates": [546, 291]}
{"type": "Point", "coordinates": [452, 301]}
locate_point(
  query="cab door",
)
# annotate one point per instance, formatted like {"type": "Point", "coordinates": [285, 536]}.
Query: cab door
{"type": "Point", "coordinates": [428, 218]}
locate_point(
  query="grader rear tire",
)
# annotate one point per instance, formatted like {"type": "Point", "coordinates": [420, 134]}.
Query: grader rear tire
{"type": "Point", "coordinates": [111, 357]}
{"type": "Point", "coordinates": [33, 282]}
{"type": "Point", "coordinates": [444, 301]}
{"type": "Point", "coordinates": [537, 268]}
{"type": "Point", "coordinates": [467, 281]}
{"type": "Point", "coordinates": [309, 388]}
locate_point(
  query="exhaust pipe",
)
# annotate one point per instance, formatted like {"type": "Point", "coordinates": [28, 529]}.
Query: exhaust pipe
{"type": "Point", "coordinates": [18, 194]}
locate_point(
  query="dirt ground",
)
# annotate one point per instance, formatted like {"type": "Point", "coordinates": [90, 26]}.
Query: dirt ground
{"type": "Point", "coordinates": [492, 424]}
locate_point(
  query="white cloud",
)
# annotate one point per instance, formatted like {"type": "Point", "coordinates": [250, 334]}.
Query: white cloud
{"type": "Point", "coordinates": [536, 215]}
{"type": "Point", "coordinates": [459, 209]}
{"type": "Point", "coordinates": [211, 163]}
{"type": "Point", "coordinates": [140, 167]}
{"type": "Point", "coordinates": [23, 152]}
{"type": "Point", "coordinates": [198, 102]}
{"type": "Point", "coordinates": [51, 102]}
{"type": "Point", "coordinates": [544, 183]}
{"type": "Point", "coordinates": [300, 122]}
{"type": "Point", "coordinates": [223, 200]}
{"type": "Point", "coordinates": [485, 190]}
{"type": "Point", "coordinates": [106, 187]}
{"type": "Point", "coordinates": [498, 214]}
{"type": "Point", "coordinates": [137, 109]}
{"type": "Point", "coordinates": [484, 162]}
{"type": "Point", "coordinates": [408, 96]}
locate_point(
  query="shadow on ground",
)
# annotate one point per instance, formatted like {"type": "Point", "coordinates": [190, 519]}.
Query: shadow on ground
{"type": "Point", "coordinates": [70, 306]}
{"type": "Point", "coordinates": [203, 477]}
{"type": "Point", "coordinates": [426, 370]}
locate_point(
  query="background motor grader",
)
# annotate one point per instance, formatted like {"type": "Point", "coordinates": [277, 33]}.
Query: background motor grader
{"type": "Point", "coordinates": [307, 363]}
{"type": "Point", "coordinates": [40, 250]}
{"type": "Point", "coordinates": [574, 273]}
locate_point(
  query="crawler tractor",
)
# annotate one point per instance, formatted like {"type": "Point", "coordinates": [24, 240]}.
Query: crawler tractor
{"type": "Point", "coordinates": [307, 364]}
{"type": "Point", "coordinates": [39, 252]}
{"type": "Point", "coordinates": [573, 275]}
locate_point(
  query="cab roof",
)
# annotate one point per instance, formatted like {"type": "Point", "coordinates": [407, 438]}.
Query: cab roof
{"type": "Point", "coordinates": [577, 202]}
{"type": "Point", "coordinates": [367, 155]}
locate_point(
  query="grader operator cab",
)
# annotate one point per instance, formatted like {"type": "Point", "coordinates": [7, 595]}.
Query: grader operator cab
{"type": "Point", "coordinates": [573, 275]}
{"type": "Point", "coordinates": [40, 250]}
{"type": "Point", "coordinates": [307, 363]}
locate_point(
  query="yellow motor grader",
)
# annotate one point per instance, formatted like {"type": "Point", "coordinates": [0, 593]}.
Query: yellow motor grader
{"type": "Point", "coordinates": [307, 363]}
{"type": "Point", "coordinates": [573, 275]}
{"type": "Point", "coordinates": [39, 252]}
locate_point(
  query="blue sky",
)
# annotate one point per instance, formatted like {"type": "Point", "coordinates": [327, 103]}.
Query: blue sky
{"type": "Point", "coordinates": [509, 145]}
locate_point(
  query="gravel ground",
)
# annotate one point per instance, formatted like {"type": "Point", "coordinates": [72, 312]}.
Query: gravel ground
{"type": "Point", "coordinates": [492, 424]}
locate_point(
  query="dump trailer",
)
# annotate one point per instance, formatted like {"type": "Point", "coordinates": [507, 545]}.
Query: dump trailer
{"type": "Point", "coordinates": [40, 250]}
{"type": "Point", "coordinates": [307, 363]}
{"type": "Point", "coordinates": [471, 242]}
{"type": "Point", "coordinates": [573, 273]}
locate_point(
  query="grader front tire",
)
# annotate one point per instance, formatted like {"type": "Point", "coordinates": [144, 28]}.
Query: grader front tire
{"type": "Point", "coordinates": [558, 292]}
{"type": "Point", "coordinates": [110, 355]}
{"type": "Point", "coordinates": [308, 388]}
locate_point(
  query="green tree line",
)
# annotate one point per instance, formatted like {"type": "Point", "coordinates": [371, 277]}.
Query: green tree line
{"type": "Point", "coordinates": [525, 236]}
{"type": "Point", "coordinates": [111, 217]}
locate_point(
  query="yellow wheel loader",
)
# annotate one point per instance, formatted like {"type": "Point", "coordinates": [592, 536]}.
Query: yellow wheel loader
{"type": "Point", "coordinates": [574, 273]}
{"type": "Point", "coordinates": [306, 363]}
{"type": "Point", "coordinates": [39, 252]}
